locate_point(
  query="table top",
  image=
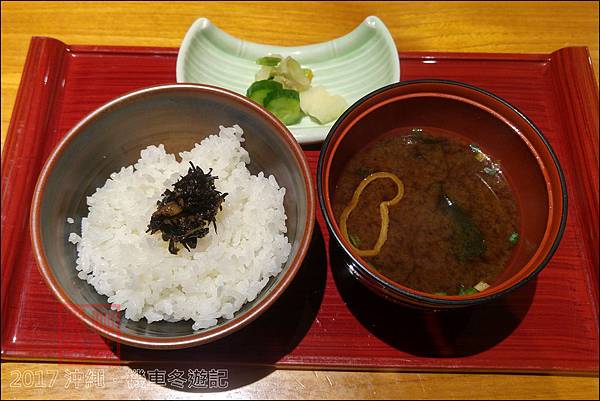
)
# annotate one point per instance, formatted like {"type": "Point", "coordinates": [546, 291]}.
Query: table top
{"type": "Point", "coordinates": [523, 27]}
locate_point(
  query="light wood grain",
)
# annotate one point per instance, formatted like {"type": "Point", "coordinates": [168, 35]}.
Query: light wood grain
{"type": "Point", "coordinates": [521, 27]}
{"type": "Point", "coordinates": [123, 382]}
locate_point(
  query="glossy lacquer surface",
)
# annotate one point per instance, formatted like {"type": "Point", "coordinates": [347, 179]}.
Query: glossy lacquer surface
{"type": "Point", "coordinates": [324, 319]}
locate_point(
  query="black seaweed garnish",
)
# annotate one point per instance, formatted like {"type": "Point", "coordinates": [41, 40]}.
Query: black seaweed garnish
{"type": "Point", "coordinates": [184, 214]}
{"type": "Point", "coordinates": [468, 241]}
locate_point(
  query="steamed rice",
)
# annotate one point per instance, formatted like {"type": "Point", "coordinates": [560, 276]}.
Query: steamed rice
{"type": "Point", "coordinates": [226, 269]}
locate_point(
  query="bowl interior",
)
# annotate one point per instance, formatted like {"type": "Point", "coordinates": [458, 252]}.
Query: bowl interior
{"type": "Point", "coordinates": [177, 117]}
{"type": "Point", "coordinates": [476, 118]}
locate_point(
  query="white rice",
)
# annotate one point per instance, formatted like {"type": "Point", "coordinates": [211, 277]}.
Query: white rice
{"type": "Point", "coordinates": [226, 269]}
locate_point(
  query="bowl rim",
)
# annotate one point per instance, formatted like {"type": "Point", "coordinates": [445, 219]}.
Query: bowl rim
{"type": "Point", "coordinates": [205, 335]}
{"type": "Point", "coordinates": [420, 297]}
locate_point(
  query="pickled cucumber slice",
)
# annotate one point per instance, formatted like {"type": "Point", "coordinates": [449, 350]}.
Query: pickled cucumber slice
{"type": "Point", "coordinates": [260, 89]}
{"type": "Point", "coordinates": [285, 104]}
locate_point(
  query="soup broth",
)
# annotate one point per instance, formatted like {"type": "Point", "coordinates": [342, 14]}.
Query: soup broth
{"type": "Point", "coordinates": [456, 223]}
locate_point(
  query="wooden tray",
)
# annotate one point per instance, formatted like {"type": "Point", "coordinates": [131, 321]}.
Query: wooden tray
{"type": "Point", "coordinates": [324, 320]}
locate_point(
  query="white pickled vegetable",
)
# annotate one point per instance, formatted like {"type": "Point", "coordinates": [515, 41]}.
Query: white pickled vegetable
{"type": "Point", "coordinates": [290, 74]}
{"type": "Point", "coordinates": [264, 73]}
{"type": "Point", "coordinates": [319, 104]}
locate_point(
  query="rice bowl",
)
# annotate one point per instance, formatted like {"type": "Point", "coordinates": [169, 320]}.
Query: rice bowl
{"type": "Point", "coordinates": [110, 138]}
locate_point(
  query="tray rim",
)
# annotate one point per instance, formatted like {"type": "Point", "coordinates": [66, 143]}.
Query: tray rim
{"type": "Point", "coordinates": [60, 49]}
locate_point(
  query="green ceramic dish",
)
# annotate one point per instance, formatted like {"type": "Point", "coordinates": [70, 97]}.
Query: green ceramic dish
{"type": "Point", "coordinates": [352, 66]}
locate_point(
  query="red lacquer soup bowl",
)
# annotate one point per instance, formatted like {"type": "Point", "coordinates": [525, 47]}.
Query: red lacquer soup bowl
{"type": "Point", "coordinates": [528, 163]}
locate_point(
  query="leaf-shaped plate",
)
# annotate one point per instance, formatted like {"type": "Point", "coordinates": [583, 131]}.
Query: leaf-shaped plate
{"type": "Point", "coordinates": [351, 66]}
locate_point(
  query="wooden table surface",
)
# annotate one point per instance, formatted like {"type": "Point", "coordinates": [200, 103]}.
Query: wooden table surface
{"type": "Point", "coordinates": [515, 27]}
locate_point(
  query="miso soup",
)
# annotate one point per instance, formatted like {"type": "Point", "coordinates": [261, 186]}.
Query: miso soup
{"type": "Point", "coordinates": [452, 221]}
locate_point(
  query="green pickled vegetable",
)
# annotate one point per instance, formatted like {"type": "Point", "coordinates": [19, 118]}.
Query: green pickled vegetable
{"type": "Point", "coordinates": [259, 90]}
{"type": "Point", "coordinates": [270, 61]}
{"type": "Point", "coordinates": [315, 102]}
{"type": "Point", "coordinates": [285, 104]}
